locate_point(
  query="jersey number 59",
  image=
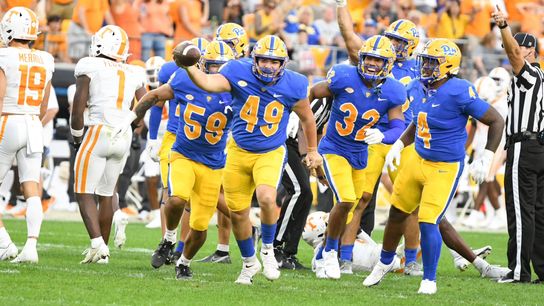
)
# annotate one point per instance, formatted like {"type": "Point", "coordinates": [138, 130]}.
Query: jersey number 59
{"type": "Point", "coordinates": [214, 125]}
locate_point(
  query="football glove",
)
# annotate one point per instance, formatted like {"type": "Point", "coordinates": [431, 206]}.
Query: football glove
{"type": "Point", "coordinates": [392, 159]}
{"type": "Point", "coordinates": [480, 167]}
{"type": "Point", "coordinates": [123, 127]}
{"type": "Point", "coordinates": [373, 136]}
{"type": "Point", "coordinates": [152, 147]}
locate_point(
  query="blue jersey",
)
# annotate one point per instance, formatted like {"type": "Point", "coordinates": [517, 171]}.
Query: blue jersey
{"type": "Point", "coordinates": [440, 117]}
{"type": "Point", "coordinates": [203, 128]}
{"type": "Point", "coordinates": [261, 112]}
{"type": "Point", "coordinates": [167, 70]}
{"type": "Point", "coordinates": [404, 72]}
{"type": "Point", "coordinates": [355, 109]}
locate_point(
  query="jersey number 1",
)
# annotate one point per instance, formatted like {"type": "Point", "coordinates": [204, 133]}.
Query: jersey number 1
{"type": "Point", "coordinates": [32, 78]}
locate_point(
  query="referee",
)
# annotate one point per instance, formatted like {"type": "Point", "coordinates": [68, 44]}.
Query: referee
{"type": "Point", "coordinates": [296, 182]}
{"type": "Point", "coordinates": [524, 178]}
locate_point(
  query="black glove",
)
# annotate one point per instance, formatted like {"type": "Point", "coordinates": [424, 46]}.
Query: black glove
{"type": "Point", "coordinates": [135, 144]}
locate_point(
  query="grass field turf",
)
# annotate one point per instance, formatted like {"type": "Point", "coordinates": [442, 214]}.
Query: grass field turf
{"type": "Point", "coordinates": [129, 278]}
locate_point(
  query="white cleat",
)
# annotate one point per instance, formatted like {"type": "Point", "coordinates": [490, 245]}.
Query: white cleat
{"type": "Point", "coordinates": [99, 255]}
{"type": "Point", "coordinates": [346, 267]}
{"type": "Point", "coordinates": [27, 255]}
{"type": "Point", "coordinates": [249, 269]}
{"type": "Point", "coordinates": [427, 287]}
{"type": "Point", "coordinates": [120, 220]}
{"type": "Point", "coordinates": [319, 265]}
{"type": "Point", "coordinates": [8, 252]}
{"type": "Point", "coordinates": [378, 273]}
{"type": "Point", "coordinates": [270, 265]}
{"type": "Point", "coordinates": [413, 269]}
{"type": "Point", "coordinates": [460, 263]}
{"type": "Point", "coordinates": [494, 272]}
{"type": "Point", "coordinates": [331, 265]}
{"type": "Point", "coordinates": [474, 220]}
{"type": "Point", "coordinates": [483, 252]}
{"type": "Point", "coordinates": [155, 223]}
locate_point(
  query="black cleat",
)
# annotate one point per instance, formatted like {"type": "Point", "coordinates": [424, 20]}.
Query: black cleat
{"type": "Point", "coordinates": [174, 258]}
{"type": "Point", "coordinates": [295, 264]}
{"type": "Point", "coordinates": [183, 272]}
{"type": "Point", "coordinates": [162, 254]}
{"type": "Point", "coordinates": [216, 257]}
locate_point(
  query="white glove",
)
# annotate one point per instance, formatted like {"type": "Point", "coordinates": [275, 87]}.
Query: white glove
{"type": "Point", "coordinates": [373, 136]}
{"type": "Point", "coordinates": [341, 3]}
{"type": "Point", "coordinates": [152, 147]}
{"type": "Point", "coordinates": [123, 126]}
{"type": "Point", "coordinates": [479, 168]}
{"type": "Point", "coordinates": [392, 159]}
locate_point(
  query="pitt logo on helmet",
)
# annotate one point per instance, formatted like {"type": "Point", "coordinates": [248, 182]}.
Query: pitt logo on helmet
{"type": "Point", "coordinates": [439, 59]}
{"type": "Point", "coordinates": [273, 48]}
{"type": "Point", "coordinates": [235, 36]}
{"type": "Point", "coordinates": [404, 35]}
{"type": "Point", "coordinates": [378, 47]}
{"type": "Point", "coordinates": [200, 43]}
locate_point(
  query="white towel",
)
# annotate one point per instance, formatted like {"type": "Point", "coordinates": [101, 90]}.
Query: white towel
{"type": "Point", "coordinates": [34, 143]}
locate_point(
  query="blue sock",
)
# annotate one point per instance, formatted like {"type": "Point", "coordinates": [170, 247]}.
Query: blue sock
{"type": "Point", "coordinates": [179, 247]}
{"type": "Point", "coordinates": [268, 232]}
{"type": "Point", "coordinates": [386, 257]}
{"type": "Point", "coordinates": [332, 244]}
{"type": "Point", "coordinates": [246, 247]}
{"type": "Point", "coordinates": [411, 255]}
{"type": "Point", "coordinates": [319, 253]}
{"type": "Point", "coordinates": [346, 252]}
{"type": "Point", "coordinates": [431, 243]}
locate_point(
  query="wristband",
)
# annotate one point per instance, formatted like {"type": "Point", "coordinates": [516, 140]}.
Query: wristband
{"type": "Point", "coordinates": [312, 149]}
{"type": "Point", "coordinates": [504, 26]}
{"type": "Point", "coordinates": [76, 133]}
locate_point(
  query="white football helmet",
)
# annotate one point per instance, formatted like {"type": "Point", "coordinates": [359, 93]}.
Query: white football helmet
{"type": "Point", "coordinates": [152, 67]}
{"type": "Point", "coordinates": [19, 23]}
{"type": "Point", "coordinates": [501, 78]}
{"type": "Point", "coordinates": [486, 88]}
{"type": "Point", "coordinates": [110, 41]}
{"type": "Point", "coordinates": [314, 230]}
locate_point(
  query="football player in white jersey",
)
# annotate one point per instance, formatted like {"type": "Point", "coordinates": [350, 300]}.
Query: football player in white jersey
{"type": "Point", "coordinates": [25, 82]}
{"type": "Point", "coordinates": [107, 87]}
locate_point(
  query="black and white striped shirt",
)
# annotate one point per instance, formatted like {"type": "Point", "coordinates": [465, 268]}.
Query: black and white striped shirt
{"type": "Point", "coordinates": [321, 108]}
{"type": "Point", "coordinates": [526, 101]}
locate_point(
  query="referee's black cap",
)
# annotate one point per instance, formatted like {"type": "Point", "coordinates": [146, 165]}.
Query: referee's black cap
{"type": "Point", "coordinates": [526, 40]}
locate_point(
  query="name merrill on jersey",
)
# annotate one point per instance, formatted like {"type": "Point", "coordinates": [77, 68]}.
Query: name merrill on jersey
{"type": "Point", "coordinates": [261, 110]}
{"type": "Point", "coordinates": [355, 109]}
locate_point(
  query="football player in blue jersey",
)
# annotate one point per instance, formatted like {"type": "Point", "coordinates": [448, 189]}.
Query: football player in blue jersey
{"type": "Point", "coordinates": [159, 149]}
{"type": "Point", "coordinates": [362, 95]}
{"type": "Point", "coordinates": [264, 93]}
{"type": "Point", "coordinates": [197, 157]}
{"type": "Point", "coordinates": [442, 105]}
{"type": "Point", "coordinates": [236, 37]}
{"type": "Point", "coordinates": [405, 38]}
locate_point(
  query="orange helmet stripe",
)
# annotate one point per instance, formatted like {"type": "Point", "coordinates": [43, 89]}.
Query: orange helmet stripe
{"type": "Point", "coordinates": [123, 45]}
{"type": "Point", "coordinates": [34, 21]}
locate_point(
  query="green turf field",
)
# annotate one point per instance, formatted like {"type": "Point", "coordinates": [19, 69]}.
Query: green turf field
{"type": "Point", "coordinates": [129, 278]}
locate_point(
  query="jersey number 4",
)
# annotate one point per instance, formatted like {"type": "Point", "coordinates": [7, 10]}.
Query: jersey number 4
{"type": "Point", "coordinates": [214, 125]}
{"type": "Point", "coordinates": [273, 113]}
{"type": "Point", "coordinates": [33, 79]}
{"type": "Point", "coordinates": [423, 130]}
{"type": "Point", "coordinates": [348, 125]}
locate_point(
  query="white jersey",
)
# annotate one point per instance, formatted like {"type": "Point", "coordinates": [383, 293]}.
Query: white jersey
{"type": "Point", "coordinates": [27, 73]}
{"type": "Point", "coordinates": [480, 136]}
{"type": "Point", "coordinates": [111, 90]}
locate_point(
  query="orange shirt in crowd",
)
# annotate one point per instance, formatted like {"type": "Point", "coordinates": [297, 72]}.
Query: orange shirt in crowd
{"type": "Point", "coordinates": [513, 13]}
{"type": "Point", "coordinates": [447, 27]}
{"type": "Point", "coordinates": [95, 11]}
{"type": "Point", "coordinates": [56, 44]}
{"type": "Point", "coordinates": [194, 13]}
{"type": "Point", "coordinates": [127, 18]}
{"type": "Point", "coordinates": [25, 3]}
{"type": "Point", "coordinates": [480, 22]}
{"type": "Point", "coordinates": [63, 2]}
{"type": "Point", "coordinates": [155, 17]}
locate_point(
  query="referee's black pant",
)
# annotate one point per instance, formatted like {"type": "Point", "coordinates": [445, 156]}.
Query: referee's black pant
{"type": "Point", "coordinates": [524, 188]}
{"type": "Point", "coordinates": [296, 204]}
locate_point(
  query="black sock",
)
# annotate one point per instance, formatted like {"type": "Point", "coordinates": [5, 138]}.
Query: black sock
{"type": "Point", "coordinates": [221, 253]}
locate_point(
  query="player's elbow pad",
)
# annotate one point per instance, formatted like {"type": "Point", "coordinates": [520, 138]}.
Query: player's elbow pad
{"type": "Point", "coordinates": [396, 127]}
{"type": "Point", "coordinates": [154, 121]}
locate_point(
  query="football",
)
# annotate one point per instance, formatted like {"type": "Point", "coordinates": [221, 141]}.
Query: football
{"type": "Point", "coordinates": [186, 54]}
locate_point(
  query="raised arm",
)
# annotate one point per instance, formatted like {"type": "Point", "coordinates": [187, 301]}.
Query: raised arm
{"type": "Point", "coordinates": [513, 50]}
{"type": "Point", "coordinates": [209, 82]}
{"type": "Point", "coordinates": [352, 40]}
